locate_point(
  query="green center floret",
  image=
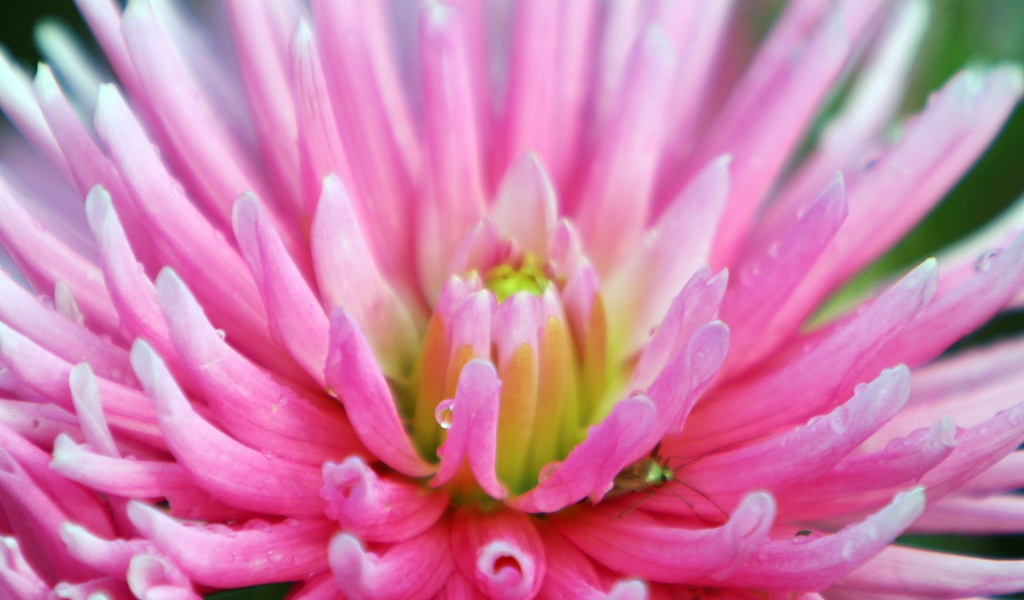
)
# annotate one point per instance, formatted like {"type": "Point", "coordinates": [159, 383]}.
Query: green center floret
{"type": "Point", "coordinates": [506, 279]}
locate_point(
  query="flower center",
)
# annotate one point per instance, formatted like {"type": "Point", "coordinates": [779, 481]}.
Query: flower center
{"type": "Point", "coordinates": [506, 279]}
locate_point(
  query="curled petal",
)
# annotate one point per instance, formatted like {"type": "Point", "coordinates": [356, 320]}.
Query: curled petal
{"type": "Point", "coordinates": [356, 379]}
{"type": "Point", "coordinates": [228, 470]}
{"type": "Point", "coordinates": [591, 467]}
{"type": "Point", "coordinates": [473, 435]}
{"type": "Point", "coordinates": [664, 553]}
{"type": "Point", "coordinates": [415, 568]}
{"type": "Point", "coordinates": [501, 553]}
{"type": "Point", "coordinates": [17, 578]}
{"type": "Point", "coordinates": [806, 562]}
{"type": "Point", "coordinates": [152, 576]}
{"type": "Point", "coordinates": [378, 509]}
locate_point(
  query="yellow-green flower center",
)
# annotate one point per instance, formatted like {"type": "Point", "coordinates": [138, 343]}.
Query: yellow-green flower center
{"type": "Point", "coordinates": [506, 279]}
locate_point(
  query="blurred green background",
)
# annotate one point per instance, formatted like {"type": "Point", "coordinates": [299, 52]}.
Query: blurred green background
{"type": "Point", "coordinates": [962, 32]}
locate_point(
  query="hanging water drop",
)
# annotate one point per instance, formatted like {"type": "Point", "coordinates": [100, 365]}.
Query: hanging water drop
{"type": "Point", "coordinates": [443, 413]}
{"type": "Point", "coordinates": [986, 260]}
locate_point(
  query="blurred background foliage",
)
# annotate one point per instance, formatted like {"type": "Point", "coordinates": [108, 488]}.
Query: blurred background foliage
{"type": "Point", "coordinates": [961, 33]}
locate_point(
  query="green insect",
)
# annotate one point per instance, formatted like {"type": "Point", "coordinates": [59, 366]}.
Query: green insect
{"type": "Point", "coordinates": [653, 473]}
{"type": "Point", "coordinates": [641, 475]}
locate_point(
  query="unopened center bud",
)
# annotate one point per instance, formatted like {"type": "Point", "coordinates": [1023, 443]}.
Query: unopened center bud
{"type": "Point", "coordinates": [507, 279]}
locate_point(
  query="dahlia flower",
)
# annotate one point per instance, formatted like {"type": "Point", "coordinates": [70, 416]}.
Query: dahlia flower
{"type": "Point", "coordinates": [471, 299]}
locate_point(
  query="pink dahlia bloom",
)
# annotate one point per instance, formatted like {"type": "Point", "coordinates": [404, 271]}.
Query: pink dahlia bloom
{"type": "Point", "coordinates": [488, 300]}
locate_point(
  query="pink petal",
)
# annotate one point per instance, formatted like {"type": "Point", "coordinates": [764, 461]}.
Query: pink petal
{"type": "Point", "coordinates": [152, 576]}
{"type": "Point", "coordinates": [57, 333]}
{"type": "Point", "coordinates": [757, 405]}
{"type": "Point", "coordinates": [18, 580]}
{"type": "Point", "coordinates": [924, 574]}
{"type": "Point", "coordinates": [203, 257]}
{"type": "Point", "coordinates": [679, 386]}
{"type": "Point", "coordinates": [646, 547]}
{"type": "Point", "coordinates": [615, 198]}
{"type": "Point", "coordinates": [692, 308]}
{"type": "Point", "coordinates": [378, 509]}
{"type": "Point", "coordinates": [501, 553]}
{"type": "Point", "coordinates": [261, 36]}
{"type": "Point", "coordinates": [355, 378]}
{"type": "Point", "coordinates": [247, 402]}
{"type": "Point", "coordinates": [530, 118]}
{"type": "Point", "coordinates": [416, 568]}
{"type": "Point", "coordinates": [972, 516]}
{"type": "Point", "coordinates": [675, 247]}
{"type": "Point", "coordinates": [297, 320]}
{"type": "Point", "coordinates": [321, 149]}
{"type": "Point", "coordinates": [347, 275]}
{"type": "Point", "coordinates": [44, 260]}
{"type": "Point", "coordinates": [111, 557]}
{"type": "Point", "coordinates": [815, 563]}
{"type": "Point", "coordinates": [525, 207]}
{"type": "Point", "coordinates": [35, 519]}
{"type": "Point", "coordinates": [46, 376]}
{"type": "Point", "coordinates": [228, 470]}
{"type": "Point", "coordinates": [806, 452]}
{"type": "Point", "coordinates": [768, 274]}
{"type": "Point", "coordinates": [868, 480]}
{"type": "Point", "coordinates": [572, 575]}
{"type": "Point", "coordinates": [473, 435]}
{"type": "Point", "coordinates": [454, 194]}
{"type": "Point", "coordinates": [253, 553]}
{"type": "Point", "coordinates": [591, 467]}
{"type": "Point", "coordinates": [131, 291]}
{"type": "Point", "coordinates": [380, 137]}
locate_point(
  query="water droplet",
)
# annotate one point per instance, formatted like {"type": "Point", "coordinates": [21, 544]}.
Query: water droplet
{"type": "Point", "coordinates": [986, 260]}
{"type": "Point", "coordinates": [773, 250]}
{"type": "Point", "coordinates": [443, 413]}
{"type": "Point", "coordinates": [838, 421]}
{"type": "Point", "coordinates": [548, 470]}
{"type": "Point", "coordinates": [274, 557]}
{"type": "Point", "coordinates": [221, 334]}
{"type": "Point", "coordinates": [331, 393]}
{"type": "Point", "coordinates": [46, 301]}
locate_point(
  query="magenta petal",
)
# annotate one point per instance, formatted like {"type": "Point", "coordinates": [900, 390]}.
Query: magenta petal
{"type": "Point", "coordinates": [228, 470]}
{"type": "Point", "coordinates": [153, 576]}
{"type": "Point", "coordinates": [356, 379]}
{"type": "Point", "coordinates": [924, 574]}
{"type": "Point", "coordinates": [815, 562]}
{"type": "Point", "coordinates": [592, 466]}
{"type": "Point", "coordinates": [254, 407]}
{"type": "Point", "coordinates": [641, 545]}
{"type": "Point", "coordinates": [680, 384]}
{"type": "Point", "coordinates": [297, 320]}
{"type": "Point", "coordinates": [501, 553]}
{"type": "Point", "coordinates": [692, 308]}
{"type": "Point", "coordinates": [412, 569]}
{"type": "Point", "coordinates": [237, 556]}
{"type": "Point", "coordinates": [18, 580]}
{"type": "Point", "coordinates": [805, 452]}
{"type": "Point", "coordinates": [378, 509]}
{"type": "Point", "coordinates": [473, 434]}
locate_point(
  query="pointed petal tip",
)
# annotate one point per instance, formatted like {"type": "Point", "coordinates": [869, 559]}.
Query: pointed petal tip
{"type": "Point", "coordinates": [98, 208]}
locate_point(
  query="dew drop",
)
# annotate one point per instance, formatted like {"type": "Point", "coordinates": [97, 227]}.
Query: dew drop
{"type": "Point", "coordinates": [46, 301]}
{"type": "Point", "coordinates": [274, 557]}
{"type": "Point", "coordinates": [838, 421]}
{"type": "Point", "coordinates": [443, 413]}
{"type": "Point", "coordinates": [221, 334]}
{"type": "Point", "coordinates": [548, 470]}
{"type": "Point", "coordinates": [986, 260]}
{"type": "Point", "coordinates": [773, 250]}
